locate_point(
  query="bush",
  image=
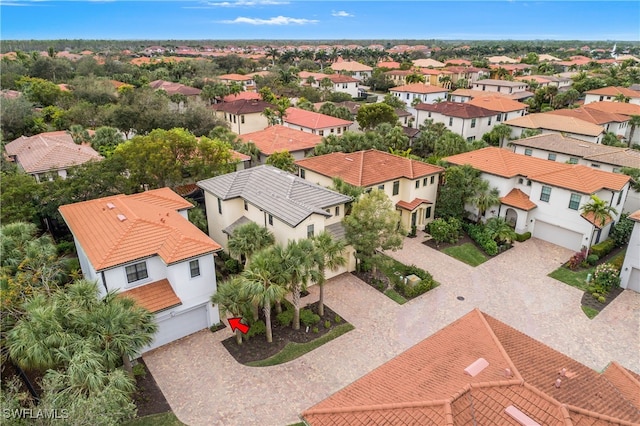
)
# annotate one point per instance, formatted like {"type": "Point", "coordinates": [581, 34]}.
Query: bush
{"type": "Point", "coordinates": [232, 266]}
{"type": "Point", "coordinates": [445, 231]}
{"type": "Point", "coordinates": [604, 248]}
{"type": "Point", "coordinates": [592, 259]}
{"type": "Point", "coordinates": [68, 247]}
{"type": "Point", "coordinates": [256, 329]}
{"type": "Point", "coordinates": [315, 330]}
{"type": "Point", "coordinates": [523, 237]}
{"type": "Point", "coordinates": [578, 259]}
{"type": "Point", "coordinates": [337, 319]}
{"type": "Point", "coordinates": [308, 318]}
{"type": "Point", "coordinates": [479, 234]}
{"type": "Point", "coordinates": [410, 292]}
{"type": "Point", "coordinates": [606, 276]}
{"type": "Point", "coordinates": [139, 370]}
{"type": "Point", "coordinates": [621, 232]}
{"type": "Point", "coordinates": [617, 262]}
{"type": "Point", "coordinates": [285, 318]}
{"type": "Point", "coordinates": [602, 299]}
{"type": "Point", "coordinates": [327, 324]}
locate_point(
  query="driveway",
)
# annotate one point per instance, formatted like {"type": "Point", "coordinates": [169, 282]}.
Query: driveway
{"type": "Point", "coordinates": [206, 386]}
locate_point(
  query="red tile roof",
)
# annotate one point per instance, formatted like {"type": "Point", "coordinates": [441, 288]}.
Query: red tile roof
{"type": "Point", "coordinates": [498, 103]}
{"type": "Point", "coordinates": [123, 228]}
{"type": "Point", "coordinates": [427, 385]}
{"type": "Point", "coordinates": [575, 177]}
{"type": "Point", "coordinates": [418, 88]}
{"type": "Point", "coordinates": [154, 297]}
{"type": "Point", "coordinates": [366, 168]}
{"type": "Point", "coordinates": [591, 115]}
{"type": "Point", "coordinates": [613, 91]}
{"type": "Point", "coordinates": [350, 66]}
{"type": "Point", "coordinates": [243, 106]}
{"type": "Point", "coordinates": [235, 77]}
{"type": "Point", "coordinates": [556, 122]}
{"type": "Point", "coordinates": [242, 95]}
{"type": "Point", "coordinates": [412, 205]}
{"type": "Point", "coordinates": [518, 199]}
{"type": "Point", "coordinates": [591, 218]}
{"type": "Point", "coordinates": [313, 120]}
{"type": "Point", "coordinates": [235, 155]}
{"type": "Point", "coordinates": [174, 88]}
{"type": "Point", "coordinates": [615, 107]}
{"type": "Point", "coordinates": [456, 109]}
{"type": "Point", "coordinates": [281, 138]}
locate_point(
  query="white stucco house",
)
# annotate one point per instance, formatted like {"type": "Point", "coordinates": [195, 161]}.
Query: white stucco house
{"type": "Point", "coordinates": [609, 94]}
{"type": "Point", "coordinates": [499, 86]}
{"type": "Point", "coordinates": [423, 92]}
{"type": "Point", "coordinates": [630, 272]}
{"type": "Point", "coordinates": [545, 197]}
{"type": "Point", "coordinates": [144, 247]}
{"type": "Point", "coordinates": [467, 120]}
{"type": "Point", "coordinates": [314, 122]}
{"type": "Point", "coordinates": [288, 206]}
{"type": "Point", "coordinates": [411, 185]}
{"type": "Point", "coordinates": [352, 68]}
{"type": "Point", "coordinates": [244, 115]}
{"type": "Point", "coordinates": [281, 138]}
{"type": "Point", "coordinates": [614, 123]}
{"type": "Point", "coordinates": [340, 83]}
{"type": "Point", "coordinates": [546, 123]}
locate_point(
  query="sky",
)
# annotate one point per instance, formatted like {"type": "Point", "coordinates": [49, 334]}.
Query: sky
{"type": "Point", "coordinates": [320, 20]}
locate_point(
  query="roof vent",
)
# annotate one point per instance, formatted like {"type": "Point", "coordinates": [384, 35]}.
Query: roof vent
{"type": "Point", "coordinates": [562, 372]}
{"type": "Point", "coordinates": [121, 217]}
{"type": "Point", "coordinates": [348, 159]}
{"type": "Point", "coordinates": [520, 417]}
{"type": "Point", "coordinates": [111, 206]}
{"type": "Point", "coordinates": [507, 372]}
{"type": "Point", "coordinates": [477, 366]}
{"type": "Point", "coordinates": [558, 383]}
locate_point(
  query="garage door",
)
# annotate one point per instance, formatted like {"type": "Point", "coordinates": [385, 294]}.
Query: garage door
{"type": "Point", "coordinates": [634, 280]}
{"type": "Point", "coordinates": [557, 235]}
{"type": "Point", "coordinates": [182, 324]}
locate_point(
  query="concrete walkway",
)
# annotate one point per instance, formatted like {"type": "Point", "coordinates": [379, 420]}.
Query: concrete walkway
{"type": "Point", "coordinates": [206, 386]}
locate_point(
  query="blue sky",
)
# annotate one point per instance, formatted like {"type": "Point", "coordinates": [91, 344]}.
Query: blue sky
{"type": "Point", "coordinates": [326, 20]}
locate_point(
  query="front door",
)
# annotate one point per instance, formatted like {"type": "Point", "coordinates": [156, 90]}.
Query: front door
{"type": "Point", "coordinates": [414, 217]}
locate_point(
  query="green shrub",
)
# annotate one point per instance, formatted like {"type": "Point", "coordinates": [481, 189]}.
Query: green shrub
{"type": "Point", "coordinates": [139, 370]}
{"type": "Point", "coordinates": [595, 294]}
{"type": "Point", "coordinates": [285, 318]}
{"type": "Point", "coordinates": [445, 231]}
{"type": "Point", "coordinates": [606, 276]}
{"type": "Point", "coordinates": [479, 234]}
{"type": "Point", "coordinates": [602, 299]}
{"type": "Point", "coordinates": [68, 247]}
{"type": "Point", "coordinates": [232, 266]}
{"type": "Point", "coordinates": [337, 319]}
{"type": "Point", "coordinates": [592, 259]}
{"type": "Point", "coordinates": [308, 318]}
{"type": "Point", "coordinates": [621, 232]}
{"type": "Point", "coordinates": [257, 328]}
{"type": "Point", "coordinates": [410, 292]}
{"type": "Point", "coordinates": [315, 329]}
{"type": "Point", "coordinates": [604, 248]}
{"type": "Point", "coordinates": [327, 324]}
{"type": "Point", "coordinates": [523, 237]}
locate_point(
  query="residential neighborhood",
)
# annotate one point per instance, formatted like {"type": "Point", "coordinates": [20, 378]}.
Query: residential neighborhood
{"type": "Point", "coordinates": [411, 232]}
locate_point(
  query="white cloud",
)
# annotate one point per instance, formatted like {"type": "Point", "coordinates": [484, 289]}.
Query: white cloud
{"type": "Point", "coordinates": [278, 20]}
{"type": "Point", "coordinates": [246, 3]}
{"type": "Point", "coordinates": [341, 14]}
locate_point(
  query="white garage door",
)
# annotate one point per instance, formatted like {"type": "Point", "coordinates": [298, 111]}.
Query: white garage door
{"type": "Point", "coordinates": [557, 235]}
{"type": "Point", "coordinates": [634, 280]}
{"type": "Point", "coordinates": [182, 324]}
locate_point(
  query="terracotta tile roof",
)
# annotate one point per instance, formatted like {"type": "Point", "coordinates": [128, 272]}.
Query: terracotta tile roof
{"type": "Point", "coordinates": [174, 88]}
{"type": "Point", "coordinates": [498, 59]}
{"type": "Point", "coordinates": [420, 88]}
{"type": "Point", "coordinates": [625, 381]}
{"type": "Point", "coordinates": [253, 96]}
{"type": "Point", "coordinates": [412, 205]}
{"type": "Point", "coordinates": [575, 177]}
{"type": "Point", "coordinates": [123, 228]}
{"type": "Point", "coordinates": [477, 93]}
{"type": "Point", "coordinates": [501, 83]}
{"type": "Point", "coordinates": [591, 115]}
{"type": "Point", "coordinates": [590, 217]}
{"type": "Point", "coordinates": [518, 199]}
{"type": "Point", "coordinates": [635, 216]}
{"type": "Point", "coordinates": [49, 151]}
{"type": "Point", "coordinates": [613, 91]}
{"type": "Point", "coordinates": [313, 120]}
{"type": "Point", "coordinates": [426, 63]}
{"type": "Point", "coordinates": [498, 103]}
{"type": "Point", "coordinates": [429, 71]}
{"type": "Point", "coordinates": [458, 62]}
{"type": "Point", "coordinates": [615, 107]}
{"type": "Point", "coordinates": [557, 123]}
{"type": "Point", "coordinates": [399, 72]}
{"type": "Point", "coordinates": [243, 106]}
{"type": "Point", "coordinates": [235, 77]}
{"type": "Point", "coordinates": [350, 66]}
{"type": "Point", "coordinates": [388, 64]}
{"type": "Point", "coordinates": [366, 168]}
{"type": "Point", "coordinates": [235, 155]}
{"type": "Point", "coordinates": [426, 384]}
{"type": "Point", "coordinates": [456, 109]}
{"type": "Point", "coordinates": [340, 78]}
{"type": "Point", "coordinates": [154, 297]}
{"type": "Point", "coordinates": [281, 138]}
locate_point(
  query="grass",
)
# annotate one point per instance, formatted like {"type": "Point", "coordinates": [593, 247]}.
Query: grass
{"type": "Point", "coordinates": [467, 253]}
{"type": "Point", "coordinates": [576, 279]}
{"type": "Point", "coordinates": [395, 296]}
{"type": "Point", "coordinates": [590, 312]}
{"type": "Point", "coordinates": [164, 419]}
{"type": "Point", "coordinates": [294, 350]}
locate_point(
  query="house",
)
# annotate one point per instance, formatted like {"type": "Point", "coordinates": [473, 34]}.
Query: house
{"type": "Point", "coordinates": [341, 83]}
{"type": "Point", "coordinates": [427, 63]}
{"type": "Point", "coordinates": [479, 370]}
{"type": "Point", "coordinates": [630, 272]}
{"type": "Point", "coordinates": [571, 126]}
{"type": "Point", "coordinates": [288, 206]}
{"type": "Point", "coordinates": [144, 247]}
{"type": "Point", "coordinates": [244, 115]}
{"type": "Point", "coordinates": [504, 107]}
{"type": "Point", "coordinates": [411, 185]}
{"type": "Point", "coordinates": [314, 122]}
{"type": "Point", "coordinates": [352, 68]}
{"type": "Point", "coordinates": [614, 123]}
{"type": "Point", "coordinates": [247, 82]}
{"type": "Point", "coordinates": [175, 88]}
{"type": "Point", "coordinates": [48, 154]}
{"type": "Point", "coordinates": [562, 83]}
{"type": "Point", "coordinates": [611, 94]}
{"type": "Point", "coordinates": [441, 77]}
{"type": "Point", "coordinates": [422, 92]}
{"type": "Point", "coordinates": [547, 58]}
{"type": "Point", "coordinates": [243, 160]}
{"type": "Point", "coordinates": [545, 197]}
{"type": "Point", "coordinates": [500, 86]}
{"type": "Point", "coordinates": [469, 121]}
{"type": "Point", "coordinates": [621, 108]}
{"type": "Point", "coordinates": [501, 60]}
{"type": "Point", "coordinates": [466, 74]}
{"type": "Point", "coordinates": [282, 138]}
{"type": "Point", "coordinates": [249, 96]}
{"type": "Point", "coordinates": [399, 77]}
{"type": "Point", "coordinates": [465, 95]}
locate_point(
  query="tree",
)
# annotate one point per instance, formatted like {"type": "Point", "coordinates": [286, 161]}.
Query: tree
{"type": "Point", "coordinates": [634, 122]}
{"type": "Point", "coordinates": [329, 255]}
{"type": "Point", "coordinates": [500, 230]}
{"type": "Point", "coordinates": [231, 299]}
{"type": "Point", "coordinates": [502, 132]}
{"type": "Point", "coordinates": [248, 239]}
{"type": "Point", "coordinates": [283, 160]}
{"type": "Point", "coordinates": [415, 77]}
{"type": "Point", "coordinates": [19, 197]}
{"type": "Point", "coordinates": [79, 134]}
{"type": "Point", "coordinates": [17, 118]}
{"type": "Point", "coordinates": [599, 211]}
{"type": "Point", "coordinates": [39, 91]}
{"type": "Point", "coordinates": [459, 186]}
{"type": "Point", "coordinates": [370, 115]}
{"type": "Point", "coordinates": [374, 224]}
{"type": "Point", "coordinates": [297, 262]}
{"type": "Point", "coordinates": [484, 198]}
{"type": "Point", "coordinates": [393, 101]}
{"type": "Point", "coordinates": [106, 139]}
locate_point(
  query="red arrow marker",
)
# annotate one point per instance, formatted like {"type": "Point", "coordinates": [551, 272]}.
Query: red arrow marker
{"type": "Point", "coordinates": [235, 323]}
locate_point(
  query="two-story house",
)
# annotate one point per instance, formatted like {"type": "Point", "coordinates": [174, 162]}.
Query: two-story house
{"type": "Point", "coordinates": [611, 94]}
{"type": "Point", "coordinates": [423, 92]}
{"type": "Point", "coordinates": [614, 123]}
{"type": "Point", "coordinates": [247, 82]}
{"type": "Point", "coordinates": [570, 126]}
{"type": "Point", "coordinates": [500, 86]}
{"type": "Point", "coordinates": [633, 134]}
{"type": "Point", "coordinates": [352, 68]}
{"type": "Point", "coordinates": [505, 108]}
{"type": "Point", "coordinates": [545, 197]}
{"type": "Point", "coordinates": [49, 154]}
{"type": "Point", "coordinates": [411, 185]}
{"type": "Point", "coordinates": [314, 122]}
{"type": "Point", "coordinates": [288, 206]}
{"type": "Point", "coordinates": [463, 118]}
{"type": "Point", "coordinates": [244, 115]}
{"type": "Point", "coordinates": [341, 83]}
{"type": "Point", "coordinates": [144, 247]}
{"type": "Point", "coordinates": [280, 138]}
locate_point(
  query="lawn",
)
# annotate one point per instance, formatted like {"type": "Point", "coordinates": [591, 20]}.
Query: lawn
{"type": "Point", "coordinates": [467, 253]}
{"type": "Point", "coordinates": [395, 296]}
{"type": "Point", "coordinates": [590, 312]}
{"type": "Point", "coordinates": [164, 419]}
{"type": "Point", "coordinates": [576, 279]}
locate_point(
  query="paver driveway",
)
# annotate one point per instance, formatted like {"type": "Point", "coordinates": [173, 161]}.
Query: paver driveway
{"type": "Point", "coordinates": [205, 386]}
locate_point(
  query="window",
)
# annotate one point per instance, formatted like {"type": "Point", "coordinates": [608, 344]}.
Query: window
{"type": "Point", "coordinates": [219, 206]}
{"type": "Point", "coordinates": [616, 170]}
{"type": "Point", "coordinates": [339, 130]}
{"type": "Point", "coordinates": [425, 181]}
{"type": "Point", "coordinates": [194, 268]}
{"type": "Point", "coordinates": [381, 187]}
{"type": "Point", "coordinates": [310, 231]}
{"type": "Point", "coordinates": [471, 138]}
{"type": "Point", "coordinates": [407, 96]}
{"type": "Point", "coordinates": [573, 160]}
{"type": "Point", "coordinates": [246, 205]}
{"type": "Point", "coordinates": [528, 182]}
{"type": "Point", "coordinates": [429, 115]}
{"type": "Point", "coordinates": [595, 166]}
{"type": "Point", "coordinates": [302, 173]}
{"type": "Point", "coordinates": [332, 130]}
{"type": "Point", "coordinates": [574, 202]}
{"type": "Point", "coordinates": [136, 272]}
{"type": "Point", "coordinates": [450, 121]}
{"type": "Point", "coordinates": [601, 98]}
{"type": "Point", "coordinates": [234, 118]}
{"type": "Point", "coordinates": [396, 187]}
{"type": "Point", "coordinates": [520, 180]}
{"type": "Point", "coordinates": [427, 215]}
{"type": "Point", "coordinates": [499, 118]}
{"type": "Point", "coordinates": [473, 123]}
{"type": "Point", "coordinates": [551, 157]}
{"type": "Point", "coordinates": [545, 195]}
{"type": "Point", "coordinates": [270, 220]}
{"type": "Point", "coordinates": [242, 119]}
{"type": "Point", "coordinates": [337, 211]}
{"type": "Point", "coordinates": [619, 197]}
{"type": "Point", "coordinates": [489, 123]}
{"type": "Point", "coordinates": [417, 184]}
{"type": "Point", "coordinates": [483, 87]}
{"type": "Point", "coordinates": [321, 132]}
{"type": "Point", "coordinates": [433, 179]}
{"type": "Point", "coordinates": [528, 152]}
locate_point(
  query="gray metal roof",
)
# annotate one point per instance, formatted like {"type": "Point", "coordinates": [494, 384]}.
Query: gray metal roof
{"type": "Point", "coordinates": [242, 221]}
{"type": "Point", "coordinates": [336, 230]}
{"type": "Point", "coordinates": [279, 193]}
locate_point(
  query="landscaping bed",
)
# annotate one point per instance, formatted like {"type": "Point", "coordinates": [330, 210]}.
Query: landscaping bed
{"type": "Point", "coordinates": [148, 397]}
{"type": "Point", "coordinates": [257, 348]}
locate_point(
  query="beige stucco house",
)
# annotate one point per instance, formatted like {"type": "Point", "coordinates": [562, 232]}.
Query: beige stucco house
{"type": "Point", "coordinates": [244, 115]}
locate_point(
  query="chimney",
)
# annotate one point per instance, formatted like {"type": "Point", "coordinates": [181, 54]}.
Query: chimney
{"type": "Point", "coordinates": [562, 372]}
{"type": "Point", "coordinates": [558, 383]}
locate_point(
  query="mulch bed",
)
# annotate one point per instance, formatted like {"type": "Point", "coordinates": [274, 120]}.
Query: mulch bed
{"type": "Point", "coordinates": [592, 302]}
{"type": "Point", "coordinates": [368, 278]}
{"type": "Point", "coordinates": [257, 348]}
{"type": "Point", "coordinates": [148, 397]}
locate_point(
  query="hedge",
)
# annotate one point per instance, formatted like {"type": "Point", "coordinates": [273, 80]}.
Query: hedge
{"type": "Point", "coordinates": [479, 234]}
{"type": "Point", "coordinates": [523, 237]}
{"type": "Point", "coordinates": [604, 248]}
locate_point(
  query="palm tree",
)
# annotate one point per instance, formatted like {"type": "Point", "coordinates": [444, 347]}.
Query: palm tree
{"type": "Point", "coordinates": [484, 198]}
{"type": "Point", "coordinates": [248, 239]}
{"type": "Point", "coordinates": [598, 211]}
{"type": "Point", "coordinates": [634, 121]}
{"type": "Point", "coordinates": [264, 284]}
{"type": "Point", "coordinates": [501, 131]}
{"type": "Point", "coordinates": [415, 77]}
{"type": "Point", "coordinates": [500, 230]}
{"type": "Point", "coordinates": [329, 255]}
{"type": "Point", "coordinates": [79, 134]}
{"type": "Point", "coordinates": [298, 260]}
{"type": "Point", "coordinates": [231, 300]}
